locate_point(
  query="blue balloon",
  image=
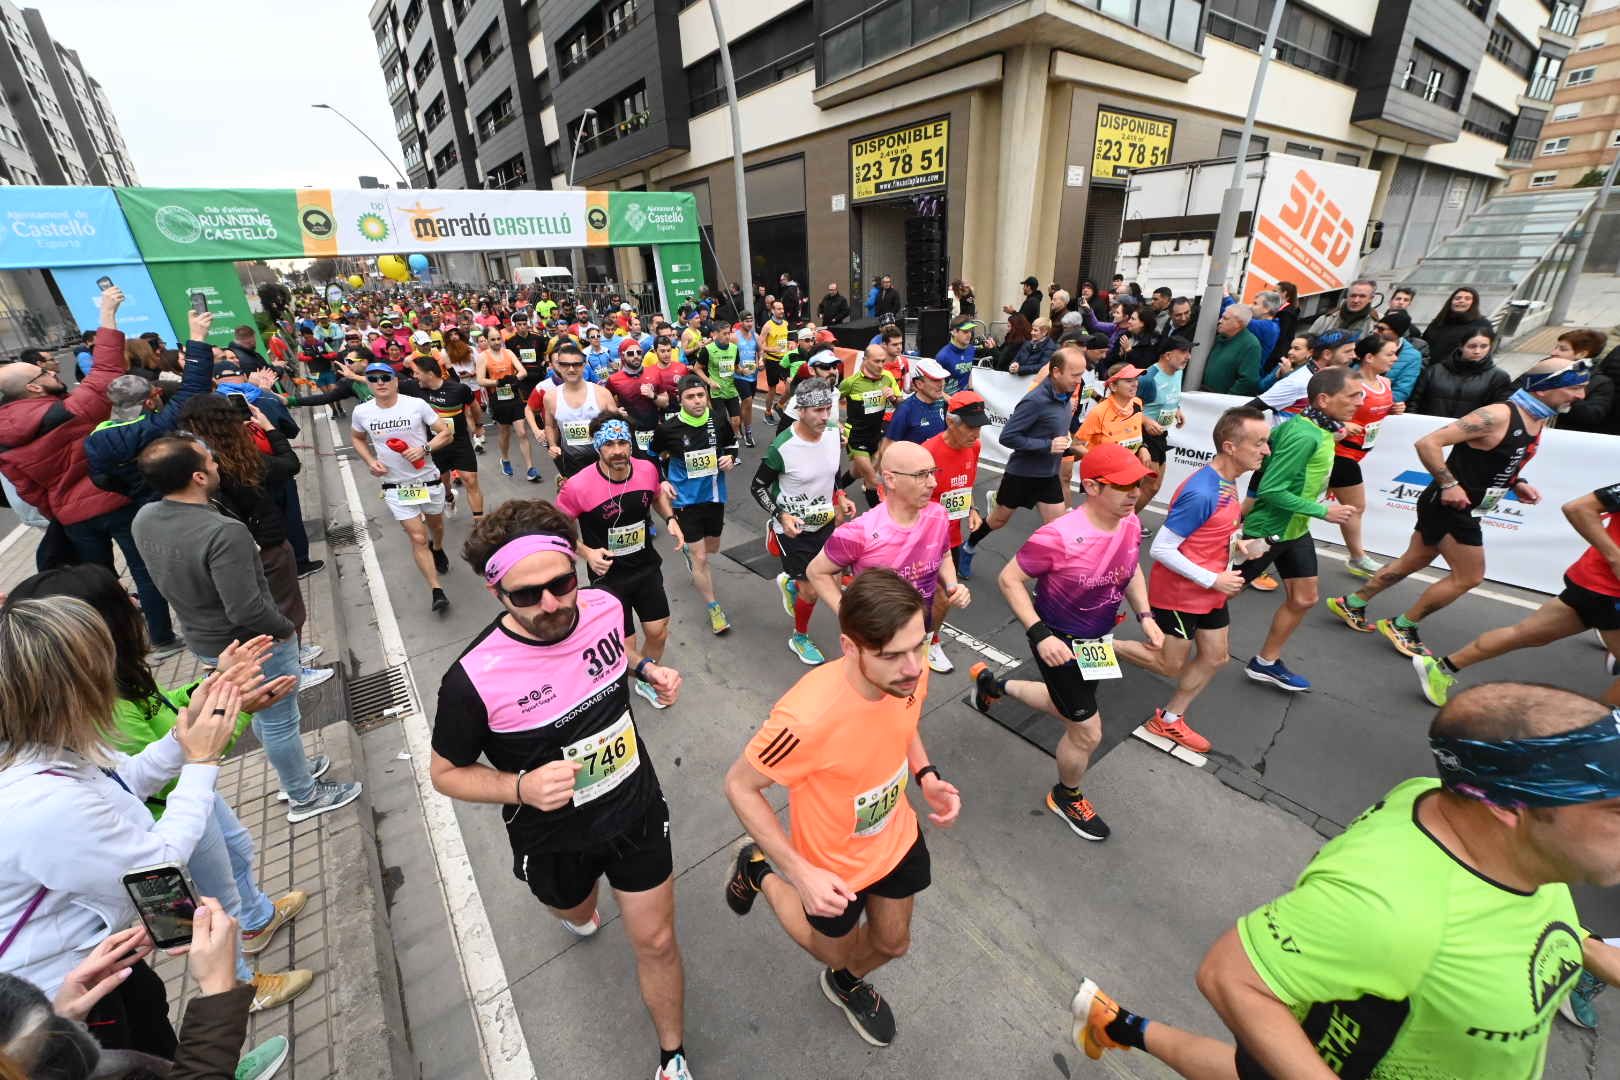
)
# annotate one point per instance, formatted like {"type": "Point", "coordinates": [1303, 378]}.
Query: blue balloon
{"type": "Point", "coordinates": [418, 263]}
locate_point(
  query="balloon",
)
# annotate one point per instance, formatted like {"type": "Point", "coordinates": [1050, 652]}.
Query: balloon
{"type": "Point", "coordinates": [418, 263]}
{"type": "Point", "coordinates": [356, 281]}
{"type": "Point", "coordinates": [394, 268]}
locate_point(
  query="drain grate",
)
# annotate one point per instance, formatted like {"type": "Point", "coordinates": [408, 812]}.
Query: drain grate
{"type": "Point", "coordinates": [341, 536]}
{"type": "Point", "coordinates": [379, 697]}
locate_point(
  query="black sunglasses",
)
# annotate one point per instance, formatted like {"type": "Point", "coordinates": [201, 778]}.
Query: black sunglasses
{"type": "Point", "coordinates": [529, 595]}
{"type": "Point", "coordinates": [379, 377]}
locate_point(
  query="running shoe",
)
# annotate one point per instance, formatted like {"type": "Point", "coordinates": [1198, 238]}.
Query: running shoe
{"type": "Point", "coordinates": [317, 769]}
{"type": "Point", "coordinates": [478, 443]}
{"type": "Point", "coordinates": [1597, 639]}
{"type": "Point", "coordinates": [270, 990]}
{"type": "Point", "coordinates": [1434, 679]}
{"type": "Point", "coordinates": [310, 567]}
{"type": "Point", "coordinates": [805, 649]}
{"type": "Point", "coordinates": [506, 467]}
{"type": "Point", "coordinates": [770, 416]}
{"type": "Point", "coordinates": [1610, 665]}
{"type": "Point", "coordinates": [748, 439]}
{"type": "Point", "coordinates": [1078, 814]}
{"type": "Point", "coordinates": [264, 1060]}
{"type": "Point", "coordinates": [675, 1070]}
{"type": "Point", "coordinates": [1264, 583]}
{"type": "Point", "coordinates": [1577, 1007]}
{"type": "Point", "coordinates": [863, 1007]}
{"type": "Point", "coordinates": [1277, 674]}
{"type": "Point", "coordinates": [740, 890]}
{"type": "Point", "coordinates": [987, 689]}
{"type": "Point", "coordinates": [584, 929]}
{"type": "Point", "coordinates": [646, 690]}
{"type": "Point", "coordinates": [533, 475]}
{"type": "Point", "coordinates": [790, 592]}
{"type": "Point", "coordinates": [169, 648]}
{"type": "Point", "coordinates": [1177, 731]}
{"type": "Point", "coordinates": [1364, 567]}
{"type": "Point", "coordinates": [1405, 639]}
{"type": "Point", "coordinates": [326, 797]}
{"type": "Point", "coordinates": [990, 502]}
{"type": "Point", "coordinates": [937, 660]}
{"type": "Point", "coordinates": [441, 602]}
{"type": "Point", "coordinates": [1354, 617]}
{"type": "Point", "coordinates": [284, 911]}
{"type": "Point", "coordinates": [964, 561]}
{"type": "Point", "coordinates": [1093, 1011]}
{"type": "Point", "coordinates": [717, 619]}
{"type": "Point", "coordinates": [311, 677]}
{"type": "Point", "coordinates": [441, 561]}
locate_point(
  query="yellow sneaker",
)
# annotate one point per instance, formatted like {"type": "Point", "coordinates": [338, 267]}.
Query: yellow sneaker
{"type": "Point", "coordinates": [256, 941]}
{"type": "Point", "coordinates": [277, 988]}
{"type": "Point", "coordinates": [1093, 1011]}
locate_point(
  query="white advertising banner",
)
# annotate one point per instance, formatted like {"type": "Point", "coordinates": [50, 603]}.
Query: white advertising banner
{"type": "Point", "coordinates": [443, 219]}
{"type": "Point", "coordinates": [1528, 546]}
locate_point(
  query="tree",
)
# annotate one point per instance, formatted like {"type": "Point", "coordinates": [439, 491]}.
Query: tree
{"type": "Point", "coordinates": [322, 270]}
{"type": "Point", "coordinates": [1593, 178]}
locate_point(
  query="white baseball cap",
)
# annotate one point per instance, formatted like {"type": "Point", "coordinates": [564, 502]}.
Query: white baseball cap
{"type": "Point", "coordinates": [928, 368]}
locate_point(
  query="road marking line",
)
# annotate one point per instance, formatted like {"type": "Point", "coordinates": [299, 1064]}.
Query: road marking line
{"type": "Point", "coordinates": [502, 1044]}
{"type": "Point", "coordinates": [14, 537]}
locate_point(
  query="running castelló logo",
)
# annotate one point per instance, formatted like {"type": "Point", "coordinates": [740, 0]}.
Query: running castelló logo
{"type": "Point", "coordinates": [182, 226]}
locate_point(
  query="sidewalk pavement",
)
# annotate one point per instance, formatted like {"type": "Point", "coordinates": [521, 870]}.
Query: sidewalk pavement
{"type": "Point", "coordinates": [1596, 305]}
{"type": "Point", "coordinates": [348, 1023]}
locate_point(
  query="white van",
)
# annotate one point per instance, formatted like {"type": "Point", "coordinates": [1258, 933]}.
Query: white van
{"type": "Point", "coordinates": [555, 277]}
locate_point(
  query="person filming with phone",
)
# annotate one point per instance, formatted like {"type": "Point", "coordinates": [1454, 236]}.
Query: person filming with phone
{"type": "Point", "coordinates": [76, 821]}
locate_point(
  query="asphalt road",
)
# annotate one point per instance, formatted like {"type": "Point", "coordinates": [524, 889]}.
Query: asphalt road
{"type": "Point", "coordinates": [1020, 909]}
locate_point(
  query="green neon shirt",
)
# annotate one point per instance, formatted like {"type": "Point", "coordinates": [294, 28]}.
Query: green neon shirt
{"type": "Point", "coordinates": [1294, 479]}
{"type": "Point", "coordinates": [1401, 963]}
{"type": "Point", "coordinates": [867, 398]}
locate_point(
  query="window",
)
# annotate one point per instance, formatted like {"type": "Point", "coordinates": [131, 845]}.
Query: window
{"type": "Point", "coordinates": [531, 17]}
{"type": "Point", "coordinates": [1543, 179]}
{"type": "Point", "coordinates": [413, 15]}
{"type": "Point", "coordinates": [1431, 77]}
{"type": "Point", "coordinates": [542, 91]}
{"type": "Point", "coordinates": [1301, 150]}
{"type": "Point", "coordinates": [554, 158]}
{"type": "Point", "coordinates": [458, 8]}
{"type": "Point", "coordinates": [484, 52]}
{"type": "Point", "coordinates": [1258, 144]}
{"type": "Point", "coordinates": [1581, 76]}
{"type": "Point", "coordinates": [1507, 46]}
{"type": "Point", "coordinates": [1591, 41]}
{"type": "Point", "coordinates": [1566, 17]}
{"type": "Point", "coordinates": [1488, 121]}
{"type": "Point", "coordinates": [1305, 39]}
{"type": "Point", "coordinates": [1567, 112]}
{"type": "Point", "coordinates": [509, 173]}
{"type": "Point", "coordinates": [615, 118]}
{"type": "Point", "coordinates": [1348, 159]}
{"type": "Point", "coordinates": [413, 154]}
{"type": "Point", "coordinates": [446, 157]}
{"type": "Point", "coordinates": [424, 64]}
{"type": "Point", "coordinates": [1556, 146]}
{"type": "Point", "coordinates": [778, 50]}
{"type": "Point", "coordinates": [599, 28]}
{"type": "Point", "coordinates": [496, 116]}
{"type": "Point", "coordinates": [1476, 7]}
{"type": "Point", "coordinates": [1614, 140]}
{"type": "Point", "coordinates": [395, 79]}
{"type": "Point", "coordinates": [434, 114]}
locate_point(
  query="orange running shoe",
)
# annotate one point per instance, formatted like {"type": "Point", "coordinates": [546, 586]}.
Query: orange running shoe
{"type": "Point", "coordinates": [1264, 583]}
{"type": "Point", "coordinates": [1093, 1012]}
{"type": "Point", "coordinates": [1177, 732]}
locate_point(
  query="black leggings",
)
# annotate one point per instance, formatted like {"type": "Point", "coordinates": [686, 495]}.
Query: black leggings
{"type": "Point", "coordinates": [135, 1016]}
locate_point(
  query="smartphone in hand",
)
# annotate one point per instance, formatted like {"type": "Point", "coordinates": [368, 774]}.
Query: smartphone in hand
{"type": "Point", "coordinates": [166, 901]}
{"type": "Point", "coordinates": [199, 302]}
{"type": "Point", "coordinates": [104, 282]}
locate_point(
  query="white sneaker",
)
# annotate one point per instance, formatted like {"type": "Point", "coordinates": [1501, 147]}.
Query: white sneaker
{"type": "Point", "coordinates": [937, 660]}
{"type": "Point", "coordinates": [309, 654]}
{"type": "Point", "coordinates": [646, 691]}
{"type": "Point", "coordinates": [311, 677]}
{"type": "Point", "coordinates": [675, 1070]}
{"type": "Point", "coordinates": [588, 929]}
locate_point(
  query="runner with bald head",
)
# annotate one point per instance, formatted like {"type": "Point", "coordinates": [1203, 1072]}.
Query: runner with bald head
{"type": "Point", "coordinates": [908, 532]}
{"type": "Point", "coordinates": [1405, 946]}
{"type": "Point", "coordinates": [1489, 448]}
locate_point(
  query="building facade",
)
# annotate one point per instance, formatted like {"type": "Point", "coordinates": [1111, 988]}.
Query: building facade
{"type": "Point", "coordinates": [1582, 132]}
{"type": "Point", "coordinates": [991, 139]}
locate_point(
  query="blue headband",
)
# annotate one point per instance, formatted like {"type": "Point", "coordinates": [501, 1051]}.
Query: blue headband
{"type": "Point", "coordinates": [612, 431]}
{"type": "Point", "coordinates": [1580, 766]}
{"type": "Point", "coordinates": [1578, 373]}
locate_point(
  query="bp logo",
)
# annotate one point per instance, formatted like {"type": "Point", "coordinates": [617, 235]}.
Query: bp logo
{"type": "Point", "coordinates": [316, 223]}
{"type": "Point", "coordinates": [1554, 964]}
{"type": "Point", "coordinates": [372, 227]}
{"type": "Point", "coordinates": [177, 224]}
{"type": "Point", "coordinates": [635, 217]}
{"type": "Point", "coordinates": [596, 218]}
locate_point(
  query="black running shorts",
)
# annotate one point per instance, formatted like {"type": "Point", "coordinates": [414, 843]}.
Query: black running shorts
{"type": "Point", "coordinates": [1072, 695]}
{"type": "Point", "coordinates": [701, 520]}
{"type": "Point", "coordinates": [1597, 611]}
{"type": "Point", "coordinates": [1436, 521]}
{"type": "Point", "coordinates": [640, 592]}
{"type": "Point", "coordinates": [910, 876]}
{"type": "Point", "coordinates": [636, 860]}
{"type": "Point", "coordinates": [1185, 624]}
{"type": "Point", "coordinates": [1295, 558]}
{"type": "Point", "coordinates": [1024, 492]}
{"type": "Point", "coordinates": [798, 552]}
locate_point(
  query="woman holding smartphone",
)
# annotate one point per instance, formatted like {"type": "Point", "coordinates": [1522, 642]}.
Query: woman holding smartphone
{"type": "Point", "coordinates": [75, 819]}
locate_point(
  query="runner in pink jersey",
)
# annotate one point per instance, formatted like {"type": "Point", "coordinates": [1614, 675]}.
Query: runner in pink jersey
{"type": "Point", "coordinates": [908, 533]}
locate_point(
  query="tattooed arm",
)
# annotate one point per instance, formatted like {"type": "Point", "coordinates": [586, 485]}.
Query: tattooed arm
{"type": "Point", "coordinates": [1431, 449]}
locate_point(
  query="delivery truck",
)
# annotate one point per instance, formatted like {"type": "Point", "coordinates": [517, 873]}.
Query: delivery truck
{"type": "Point", "coordinates": [1301, 220]}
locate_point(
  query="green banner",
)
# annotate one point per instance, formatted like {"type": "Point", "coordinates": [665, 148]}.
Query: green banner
{"type": "Point", "coordinates": [200, 224]}
{"type": "Point", "coordinates": [176, 281]}
{"type": "Point", "coordinates": [651, 217]}
{"type": "Point", "coordinates": [680, 273]}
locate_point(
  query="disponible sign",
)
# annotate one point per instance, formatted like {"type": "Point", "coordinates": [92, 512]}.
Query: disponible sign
{"type": "Point", "coordinates": [906, 160]}
{"type": "Point", "coordinates": [1129, 140]}
{"type": "Point", "coordinates": [1308, 224]}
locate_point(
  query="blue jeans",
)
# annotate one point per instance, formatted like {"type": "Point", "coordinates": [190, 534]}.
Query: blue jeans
{"type": "Point", "coordinates": [293, 517]}
{"type": "Point", "coordinates": [93, 543]}
{"type": "Point", "coordinates": [221, 866]}
{"type": "Point", "coordinates": [277, 725]}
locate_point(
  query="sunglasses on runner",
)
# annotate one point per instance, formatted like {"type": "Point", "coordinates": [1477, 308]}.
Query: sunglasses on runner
{"type": "Point", "coordinates": [631, 352]}
{"type": "Point", "coordinates": [529, 595]}
{"type": "Point", "coordinates": [379, 377]}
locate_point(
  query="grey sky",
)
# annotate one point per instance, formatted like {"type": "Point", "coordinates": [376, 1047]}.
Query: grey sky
{"type": "Point", "coordinates": [228, 103]}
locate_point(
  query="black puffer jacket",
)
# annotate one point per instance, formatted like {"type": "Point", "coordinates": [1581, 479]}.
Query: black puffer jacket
{"type": "Point", "coordinates": [1447, 333]}
{"type": "Point", "coordinates": [1455, 387]}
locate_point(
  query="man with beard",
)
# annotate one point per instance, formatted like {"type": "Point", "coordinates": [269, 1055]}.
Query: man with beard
{"type": "Point", "coordinates": [696, 452]}
{"type": "Point", "coordinates": [845, 743]}
{"type": "Point", "coordinates": [642, 392]}
{"type": "Point", "coordinates": [613, 499]}
{"type": "Point", "coordinates": [541, 696]}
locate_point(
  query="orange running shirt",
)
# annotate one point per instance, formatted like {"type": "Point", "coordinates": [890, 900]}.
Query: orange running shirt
{"type": "Point", "coordinates": [1107, 423]}
{"type": "Point", "coordinates": [843, 760]}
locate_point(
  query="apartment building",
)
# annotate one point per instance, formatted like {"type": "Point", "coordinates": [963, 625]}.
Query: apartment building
{"type": "Point", "coordinates": [991, 139]}
{"type": "Point", "coordinates": [56, 124]}
{"type": "Point", "coordinates": [1582, 134]}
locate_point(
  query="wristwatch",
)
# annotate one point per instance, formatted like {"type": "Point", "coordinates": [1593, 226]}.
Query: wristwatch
{"type": "Point", "coordinates": [925, 770]}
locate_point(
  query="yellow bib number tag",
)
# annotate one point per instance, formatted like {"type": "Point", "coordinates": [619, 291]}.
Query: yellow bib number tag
{"type": "Point", "coordinates": [817, 513]}
{"type": "Point", "coordinates": [577, 433]}
{"type": "Point", "coordinates": [873, 400]}
{"type": "Point", "coordinates": [701, 463]}
{"type": "Point", "coordinates": [725, 367]}
{"type": "Point", "coordinates": [607, 759]}
{"type": "Point", "coordinates": [504, 393]}
{"type": "Point", "coordinates": [627, 539]}
{"type": "Point", "coordinates": [644, 441]}
{"type": "Point", "coordinates": [746, 368]}
{"type": "Point", "coordinates": [1096, 658]}
{"type": "Point", "coordinates": [526, 355]}
{"type": "Point", "coordinates": [411, 494]}
{"type": "Point", "coordinates": [958, 504]}
{"type": "Point", "coordinates": [1490, 501]}
{"type": "Point", "coordinates": [1131, 444]}
{"type": "Point", "coordinates": [874, 807]}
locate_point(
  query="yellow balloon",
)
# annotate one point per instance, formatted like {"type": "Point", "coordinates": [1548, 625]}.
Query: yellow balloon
{"type": "Point", "coordinates": [356, 280]}
{"type": "Point", "coordinates": [394, 268]}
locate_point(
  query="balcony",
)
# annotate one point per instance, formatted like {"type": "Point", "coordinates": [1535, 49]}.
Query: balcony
{"type": "Point", "coordinates": [1565, 19]}
{"type": "Point", "coordinates": [802, 59]}
{"type": "Point", "coordinates": [612, 132]}
{"type": "Point", "coordinates": [1340, 68]}
{"type": "Point", "coordinates": [578, 50]}
{"type": "Point", "coordinates": [480, 61]}
{"type": "Point", "coordinates": [1542, 89]}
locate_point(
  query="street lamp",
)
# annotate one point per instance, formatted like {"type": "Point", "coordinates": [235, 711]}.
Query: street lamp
{"type": "Point", "coordinates": [578, 136]}
{"type": "Point", "coordinates": [738, 177]}
{"type": "Point", "coordinates": [402, 181]}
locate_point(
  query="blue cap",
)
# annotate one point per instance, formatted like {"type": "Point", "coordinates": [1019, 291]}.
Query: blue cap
{"type": "Point", "coordinates": [379, 368]}
{"type": "Point", "coordinates": [1332, 339]}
